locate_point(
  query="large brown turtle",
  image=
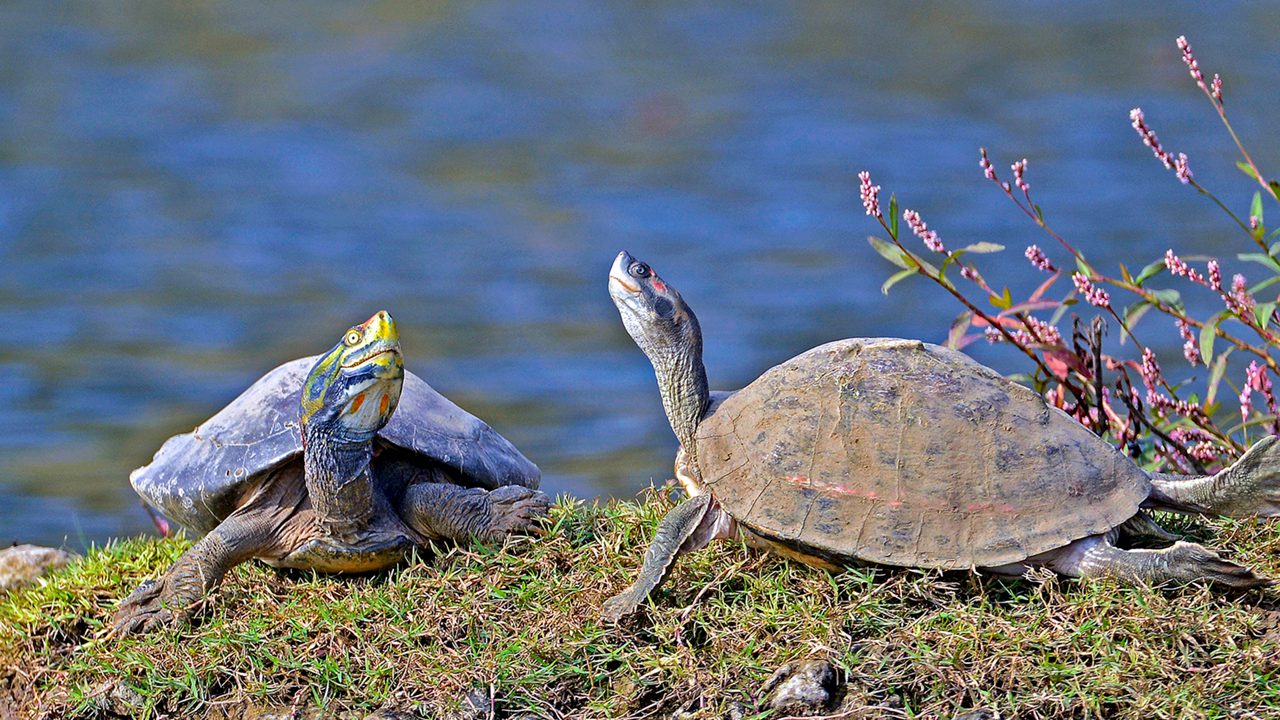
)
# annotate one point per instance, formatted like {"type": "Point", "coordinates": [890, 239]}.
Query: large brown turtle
{"type": "Point", "coordinates": [898, 452]}
{"type": "Point", "coordinates": [338, 463]}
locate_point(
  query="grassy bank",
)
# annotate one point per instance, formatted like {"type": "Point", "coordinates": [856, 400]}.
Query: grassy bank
{"type": "Point", "coordinates": [519, 625]}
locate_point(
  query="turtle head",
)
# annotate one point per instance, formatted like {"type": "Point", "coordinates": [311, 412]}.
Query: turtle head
{"type": "Point", "coordinates": [353, 389]}
{"type": "Point", "coordinates": [655, 315]}
{"type": "Point", "coordinates": [664, 327]}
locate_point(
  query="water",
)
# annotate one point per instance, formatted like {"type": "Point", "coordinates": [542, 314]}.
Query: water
{"type": "Point", "coordinates": [192, 194]}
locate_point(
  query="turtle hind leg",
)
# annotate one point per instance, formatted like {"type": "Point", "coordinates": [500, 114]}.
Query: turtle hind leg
{"type": "Point", "coordinates": [689, 526]}
{"type": "Point", "coordinates": [1249, 488]}
{"type": "Point", "coordinates": [1181, 562]}
{"type": "Point", "coordinates": [462, 514]}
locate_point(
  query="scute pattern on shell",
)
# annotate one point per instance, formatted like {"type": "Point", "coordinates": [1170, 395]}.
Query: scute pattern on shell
{"type": "Point", "coordinates": [198, 478]}
{"type": "Point", "coordinates": [904, 453]}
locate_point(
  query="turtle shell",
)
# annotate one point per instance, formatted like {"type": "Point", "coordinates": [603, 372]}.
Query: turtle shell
{"type": "Point", "coordinates": [198, 478]}
{"type": "Point", "coordinates": [904, 453]}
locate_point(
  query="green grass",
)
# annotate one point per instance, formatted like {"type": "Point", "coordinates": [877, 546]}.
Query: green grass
{"type": "Point", "coordinates": [520, 622]}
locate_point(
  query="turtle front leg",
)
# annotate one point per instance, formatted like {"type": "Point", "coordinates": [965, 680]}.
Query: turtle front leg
{"type": "Point", "coordinates": [690, 526]}
{"type": "Point", "coordinates": [1249, 488]}
{"type": "Point", "coordinates": [462, 514]}
{"type": "Point", "coordinates": [173, 596]}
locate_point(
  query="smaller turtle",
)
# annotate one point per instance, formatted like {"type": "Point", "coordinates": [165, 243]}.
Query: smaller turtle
{"type": "Point", "coordinates": [898, 452]}
{"type": "Point", "coordinates": [338, 463]}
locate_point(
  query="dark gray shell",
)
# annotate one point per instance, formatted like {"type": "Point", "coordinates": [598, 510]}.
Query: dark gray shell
{"type": "Point", "coordinates": [904, 453]}
{"type": "Point", "coordinates": [198, 478]}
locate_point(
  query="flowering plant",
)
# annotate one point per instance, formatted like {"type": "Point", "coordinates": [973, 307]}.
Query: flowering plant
{"type": "Point", "coordinates": [1130, 401]}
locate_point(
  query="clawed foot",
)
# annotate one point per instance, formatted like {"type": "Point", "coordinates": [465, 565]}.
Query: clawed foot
{"type": "Point", "coordinates": [1195, 562]}
{"type": "Point", "coordinates": [515, 509]}
{"type": "Point", "coordinates": [619, 606]}
{"type": "Point", "coordinates": [145, 610]}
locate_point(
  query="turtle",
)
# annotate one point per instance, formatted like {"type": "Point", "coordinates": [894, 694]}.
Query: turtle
{"type": "Point", "coordinates": [338, 463]}
{"type": "Point", "coordinates": [895, 452]}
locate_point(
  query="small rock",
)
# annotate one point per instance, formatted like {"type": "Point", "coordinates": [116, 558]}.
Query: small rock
{"type": "Point", "coordinates": [477, 704]}
{"type": "Point", "coordinates": [23, 564]}
{"type": "Point", "coordinates": [802, 689]}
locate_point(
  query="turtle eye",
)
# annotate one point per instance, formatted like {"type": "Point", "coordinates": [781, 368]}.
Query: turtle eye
{"type": "Point", "coordinates": [639, 270]}
{"type": "Point", "coordinates": [353, 337]}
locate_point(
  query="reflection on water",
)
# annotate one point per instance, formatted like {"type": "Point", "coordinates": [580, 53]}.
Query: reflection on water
{"type": "Point", "coordinates": [191, 194]}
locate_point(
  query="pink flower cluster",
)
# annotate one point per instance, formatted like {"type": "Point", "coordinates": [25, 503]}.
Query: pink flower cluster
{"type": "Point", "coordinates": [1179, 268]}
{"type": "Point", "coordinates": [1096, 296]}
{"type": "Point", "coordinates": [1239, 301]}
{"type": "Point", "coordinates": [870, 194]}
{"type": "Point", "coordinates": [1149, 137]}
{"type": "Point", "coordinates": [1150, 370]}
{"type": "Point", "coordinates": [1162, 402]}
{"type": "Point", "coordinates": [1019, 169]}
{"type": "Point", "coordinates": [1215, 90]}
{"type": "Point", "coordinates": [1190, 348]}
{"type": "Point", "coordinates": [1182, 170]}
{"type": "Point", "coordinates": [1215, 276]}
{"type": "Point", "coordinates": [1038, 259]}
{"type": "Point", "coordinates": [1043, 331]}
{"type": "Point", "coordinates": [1152, 379]}
{"type": "Point", "coordinates": [1257, 380]}
{"type": "Point", "coordinates": [1199, 443]}
{"type": "Point", "coordinates": [987, 168]}
{"type": "Point", "coordinates": [922, 231]}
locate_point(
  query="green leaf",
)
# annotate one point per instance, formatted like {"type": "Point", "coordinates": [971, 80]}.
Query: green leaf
{"type": "Point", "coordinates": [1261, 259]}
{"type": "Point", "coordinates": [1246, 169]}
{"type": "Point", "coordinates": [930, 270]}
{"type": "Point", "coordinates": [1264, 285]}
{"type": "Point", "coordinates": [890, 252]}
{"type": "Point", "coordinates": [1208, 334]}
{"type": "Point", "coordinates": [958, 328]}
{"type": "Point", "coordinates": [1149, 272]}
{"type": "Point", "coordinates": [893, 216]}
{"type": "Point", "coordinates": [1124, 274]}
{"type": "Point", "coordinates": [1062, 310]}
{"type": "Point", "coordinates": [1004, 302]}
{"type": "Point", "coordinates": [1274, 185]}
{"type": "Point", "coordinates": [1262, 314]}
{"type": "Point", "coordinates": [1170, 298]}
{"type": "Point", "coordinates": [1084, 267]}
{"type": "Point", "coordinates": [1255, 208]}
{"type": "Point", "coordinates": [896, 278]}
{"type": "Point", "coordinates": [1216, 374]}
{"type": "Point", "coordinates": [982, 247]}
{"type": "Point", "coordinates": [1132, 315]}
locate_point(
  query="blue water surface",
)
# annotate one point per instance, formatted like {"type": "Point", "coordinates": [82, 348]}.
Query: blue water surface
{"type": "Point", "coordinates": [192, 193]}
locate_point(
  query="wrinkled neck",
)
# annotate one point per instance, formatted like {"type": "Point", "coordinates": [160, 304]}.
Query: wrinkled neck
{"type": "Point", "coordinates": [338, 481]}
{"type": "Point", "coordinates": [682, 382]}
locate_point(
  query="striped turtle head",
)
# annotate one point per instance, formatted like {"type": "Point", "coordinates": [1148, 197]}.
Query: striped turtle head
{"type": "Point", "coordinates": [353, 389]}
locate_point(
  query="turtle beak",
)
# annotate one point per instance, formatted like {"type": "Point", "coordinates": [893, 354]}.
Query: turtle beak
{"type": "Point", "coordinates": [619, 282]}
